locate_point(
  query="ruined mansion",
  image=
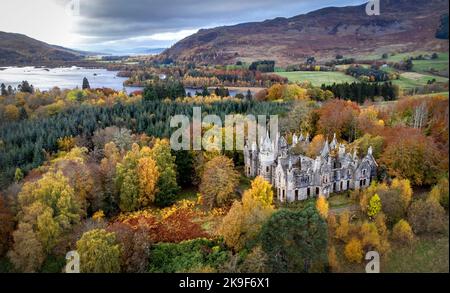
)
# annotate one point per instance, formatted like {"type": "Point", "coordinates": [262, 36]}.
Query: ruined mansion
{"type": "Point", "coordinates": [298, 177]}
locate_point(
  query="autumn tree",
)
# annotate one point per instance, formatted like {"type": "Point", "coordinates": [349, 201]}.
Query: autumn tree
{"type": "Point", "coordinates": [342, 230]}
{"type": "Point", "coordinates": [148, 175]}
{"type": "Point", "coordinates": [374, 206]}
{"type": "Point", "coordinates": [27, 254]}
{"type": "Point", "coordinates": [255, 262]}
{"type": "Point", "coordinates": [110, 194]}
{"type": "Point", "coordinates": [402, 232]}
{"type": "Point", "coordinates": [135, 243]}
{"type": "Point", "coordinates": [412, 155]}
{"type": "Point", "coordinates": [322, 206]}
{"type": "Point", "coordinates": [406, 193]}
{"type": "Point", "coordinates": [99, 252]}
{"type": "Point", "coordinates": [353, 251]}
{"type": "Point", "coordinates": [333, 261]}
{"type": "Point", "coordinates": [315, 146]}
{"type": "Point", "coordinates": [262, 191]}
{"type": "Point", "coordinates": [362, 145]}
{"type": "Point", "coordinates": [167, 182]}
{"type": "Point", "coordinates": [66, 143]}
{"type": "Point", "coordinates": [392, 205]}
{"type": "Point", "coordinates": [244, 220]}
{"type": "Point", "coordinates": [18, 175]}
{"type": "Point", "coordinates": [219, 181]}
{"type": "Point", "coordinates": [137, 177]}
{"type": "Point", "coordinates": [426, 216]}
{"type": "Point", "coordinates": [339, 117]}
{"type": "Point", "coordinates": [295, 241]}
{"type": "Point", "coordinates": [370, 237]}
{"type": "Point", "coordinates": [383, 232]}
{"type": "Point", "coordinates": [51, 207]}
{"type": "Point", "coordinates": [440, 192]}
{"type": "Point", "coordinates": [6, 226]}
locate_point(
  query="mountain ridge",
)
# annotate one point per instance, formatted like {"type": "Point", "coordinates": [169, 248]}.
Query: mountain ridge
{"type": "Point", "coordinates": [19, 49]}
{"type": "Point", "coordinates": [402, 26]}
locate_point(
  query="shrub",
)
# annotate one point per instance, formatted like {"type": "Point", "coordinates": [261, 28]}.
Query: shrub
{"type": "Point", "coordinates": [402, 232]}
{"type": "Point", "coordinates": [426, 216]}
{"type": "Point", "coordinates": [184, 256]}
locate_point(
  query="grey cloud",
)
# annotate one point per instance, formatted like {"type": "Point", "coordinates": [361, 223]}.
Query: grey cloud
{"type": "Point", "coordinates": [114, 20]}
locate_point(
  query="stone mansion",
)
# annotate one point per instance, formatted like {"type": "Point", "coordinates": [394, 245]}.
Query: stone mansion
{"type": "Point", "coordinates": [297, 177]}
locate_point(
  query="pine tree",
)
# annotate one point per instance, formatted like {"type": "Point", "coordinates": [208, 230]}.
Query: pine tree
{"type": "Point", "coordinates": [86, 85]}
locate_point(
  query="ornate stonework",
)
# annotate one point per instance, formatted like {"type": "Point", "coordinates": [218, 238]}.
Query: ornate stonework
{"type": "Point", "coordinates": [297, 177]}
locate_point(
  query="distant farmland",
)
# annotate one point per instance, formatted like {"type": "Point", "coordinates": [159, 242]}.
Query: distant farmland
{"type": "Point", "coordinates": [317, 78]}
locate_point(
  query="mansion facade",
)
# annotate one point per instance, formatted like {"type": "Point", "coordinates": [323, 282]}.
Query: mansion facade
{"type": "Point", "coordinates": [298, 177]}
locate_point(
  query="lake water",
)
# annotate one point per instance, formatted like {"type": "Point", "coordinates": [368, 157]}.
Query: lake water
{"type": "Point", "coordinates": [64, 78]}
{"type": "Point", "coordinates": [70, 78]}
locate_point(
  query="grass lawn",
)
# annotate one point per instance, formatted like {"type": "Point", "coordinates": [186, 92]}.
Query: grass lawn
{"type": "Point", "coordinates": [427, 255]}
{"type": "Point", "coordinates": [188, 194]}
{"type": "Point", "coordinates": [340, 200]}
{"type": "Point", "coordinates": [317, 78]}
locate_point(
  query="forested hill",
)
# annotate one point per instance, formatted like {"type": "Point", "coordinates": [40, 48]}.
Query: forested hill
{"type": "Point", "coordinates": [404, 25]}
{"type": "Point", "coordinates": [18, 49]}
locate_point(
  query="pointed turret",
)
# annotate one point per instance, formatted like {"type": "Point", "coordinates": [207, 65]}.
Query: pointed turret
{"type": "Point", "coordinates": [334, 142]}
{"type": "Point", "coordinates": [370, 151]}
{"type": "Point", "coordinates": [326, 149]}
{"type": "Point", "coordinates": [355, 155]}
{"type": "Point", "coordinates": [341, 150]}
{"type": "Point", "coordinates": [294, 140]}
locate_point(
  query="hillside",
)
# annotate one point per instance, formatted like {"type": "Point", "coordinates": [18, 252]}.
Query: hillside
{"type": "Point", "coordinates": [404, 25]}
{"type": "Point", "coordinates": [18, 49]}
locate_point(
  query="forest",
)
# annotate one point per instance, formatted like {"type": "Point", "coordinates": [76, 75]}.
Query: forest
{"type": "Point", "coordinates": [92, 170]}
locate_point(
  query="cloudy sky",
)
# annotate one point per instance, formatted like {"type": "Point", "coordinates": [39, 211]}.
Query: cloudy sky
{"type": "Point", "coordinates": [120, 25]}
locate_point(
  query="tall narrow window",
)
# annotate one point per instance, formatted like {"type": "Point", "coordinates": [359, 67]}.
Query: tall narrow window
{"type": "Point", "coordinates": [296, 194]}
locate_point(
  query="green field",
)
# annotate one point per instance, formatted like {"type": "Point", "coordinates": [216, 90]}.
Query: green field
{"type": "Point", "coordinates": [423, 66]}
{"type": "Point", "coordinates": [440, 64]}
{"type": "Point", "coordinates": [317, 78]}
{"type": "Point", "coordinates": [410, 80]}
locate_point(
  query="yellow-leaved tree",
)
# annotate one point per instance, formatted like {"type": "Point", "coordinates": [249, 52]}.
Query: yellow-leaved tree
{"type": "Point", "coordinates": [243, 222]}
{"type": "Point", "coordinates": [322, 206]}
{"type": "Point", "coordinates": [219, 181]}
{"type": "Point", "coordinates": [148, 175]}
{"type": "Point", "coordinates": [354, 251]}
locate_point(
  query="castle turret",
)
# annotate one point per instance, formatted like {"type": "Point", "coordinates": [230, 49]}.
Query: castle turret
{"type": "Point", "coordinates": [341, 150]}
{"type": "Point", "coordinates": [325, 150]}
{"type": "Point", "coordinates": [267, 157]}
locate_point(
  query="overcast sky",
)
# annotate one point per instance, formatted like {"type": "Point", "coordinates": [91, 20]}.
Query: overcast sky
{"type": "Point", "coordinates": [106, 25]}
